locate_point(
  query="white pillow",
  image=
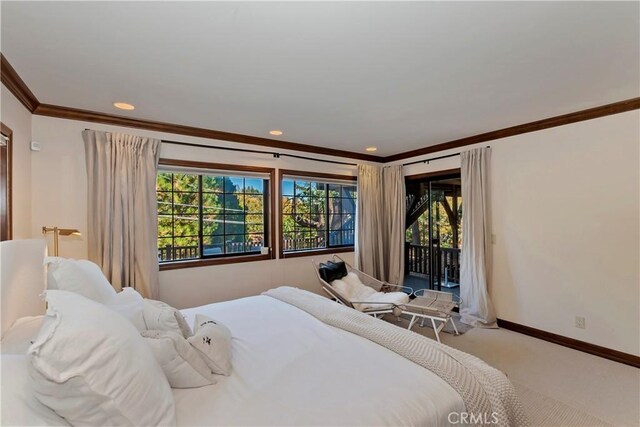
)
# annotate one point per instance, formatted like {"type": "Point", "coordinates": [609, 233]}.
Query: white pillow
{"type": "Point", "coordinates": [213, 340]}
{"type": "Point", "coordinates": [159, 316]}
{"type": "Point", "coordinates": [92, 367]}
{"type": "Point", "coordinates": [181, 363]}
{"type": "Point", "coordinates": [19, 405]}
{"type": "Point", "coordinates": [130, 304]}
{"type": "Point", "coordinates": [80, 276]}
{"type": "Point", "coordinates": [21, 335]}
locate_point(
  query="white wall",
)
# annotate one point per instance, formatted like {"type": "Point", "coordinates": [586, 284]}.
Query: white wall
{"type": "Point", "coordinates": [59, 198]}
{"type": "Point", "coordinates": [565, 205]}
{"type": "Point", "coordinates": [14, 115]}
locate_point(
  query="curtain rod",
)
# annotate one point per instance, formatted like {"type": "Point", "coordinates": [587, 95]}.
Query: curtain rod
{"type": "Point", "coordinates": [244, 150]}
{"type": "Point", "coordinates": [434, 158]}
{"type": "Point", "coordinates": [278, 155]}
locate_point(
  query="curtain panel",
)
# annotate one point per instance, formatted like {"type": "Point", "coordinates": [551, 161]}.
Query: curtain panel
{"type": "Point", "coordinates": [369, 222]}
{"type": "Point", "coordinates": [394, 214]}
{"type": "Point", "coordinates": [122, 208]}
{"type": "Point", "coordinates": [475, 263]}
{"type": "Point", "coordinates": [380, 222]}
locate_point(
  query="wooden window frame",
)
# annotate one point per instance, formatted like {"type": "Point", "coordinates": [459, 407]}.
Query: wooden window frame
{"type": "Point", "coordinates": [270, 237]}
{"type": "Point", "coordinates": [6, 215]}
{"type": "Point", "coordinates": [312, 175]}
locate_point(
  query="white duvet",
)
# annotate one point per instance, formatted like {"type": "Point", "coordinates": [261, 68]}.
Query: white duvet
{"type": "Point", "coordinates": [288, 369]}
{"type": "Point", "coordinates": [291, 369]}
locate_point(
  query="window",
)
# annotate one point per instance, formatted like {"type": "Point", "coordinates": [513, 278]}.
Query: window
{"type": "Point", "coordinates": [317, 212]}
{"type": "Point", "coordinates": [212, 215]}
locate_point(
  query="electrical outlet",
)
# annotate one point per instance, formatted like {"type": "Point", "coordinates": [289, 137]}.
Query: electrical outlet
{"type": "Point", "coordinates": [580, 322]}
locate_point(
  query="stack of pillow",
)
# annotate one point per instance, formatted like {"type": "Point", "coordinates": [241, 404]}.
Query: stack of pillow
{"type": "Point", "coordinates": [103, 357]}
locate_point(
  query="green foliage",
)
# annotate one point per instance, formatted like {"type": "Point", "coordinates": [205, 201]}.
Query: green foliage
{"type": "Point", "coordinates": [443, 227]}
{"type": "Point", "coordinates": [312, 210]}
{"type": "Point", "coordinates": [232, 211]}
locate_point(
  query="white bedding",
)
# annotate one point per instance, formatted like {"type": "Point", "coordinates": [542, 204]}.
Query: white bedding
{"type": "Point", "coordinates": [291, 369]}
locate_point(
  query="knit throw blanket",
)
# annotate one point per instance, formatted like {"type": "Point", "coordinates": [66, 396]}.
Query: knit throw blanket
{"type": "Point", "coordinates": [489, 397]}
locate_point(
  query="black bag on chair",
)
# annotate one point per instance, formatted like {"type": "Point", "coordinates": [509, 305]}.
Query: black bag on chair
{"type": "Point", "coordinates": [331, 271]}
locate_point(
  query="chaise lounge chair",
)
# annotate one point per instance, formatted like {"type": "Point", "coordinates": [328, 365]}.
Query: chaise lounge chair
{"type": "Point", "coordinates": [343, 283]}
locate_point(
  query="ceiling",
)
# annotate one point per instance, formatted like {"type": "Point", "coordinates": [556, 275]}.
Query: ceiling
{"type": "Point", "coordinates": [344, 75]}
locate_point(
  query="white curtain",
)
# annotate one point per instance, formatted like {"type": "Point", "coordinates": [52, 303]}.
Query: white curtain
{"type": "Point", "coordinates": [394, 208]}
{"type": "Point", "coordinates": [476, 308]}
{"type": "Point", "coordinates": [380, 222]}
{"type": "Point", "coordinates": [122, 208]}
{"type": "Point", "coordinates": [369, 222]}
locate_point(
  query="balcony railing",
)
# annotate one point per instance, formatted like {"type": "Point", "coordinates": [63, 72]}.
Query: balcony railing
{"type": "Point", "coordinates": [303, 243]}
{"type": "Point", "coordinates": [176, 253]}
{"type": "Point", "coordinates": [446, 265]}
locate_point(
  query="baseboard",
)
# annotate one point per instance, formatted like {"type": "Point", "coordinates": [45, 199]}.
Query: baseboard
{"type": "Point", "coordinates": [607, 353]}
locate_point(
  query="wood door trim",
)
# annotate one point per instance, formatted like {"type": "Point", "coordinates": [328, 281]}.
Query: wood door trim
{"type": "Point", "coordinates": [7, 217]}
{"type": "Point", "coordinates": [432, 175]}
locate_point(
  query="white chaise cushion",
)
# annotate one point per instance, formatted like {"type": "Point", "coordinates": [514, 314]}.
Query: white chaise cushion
{"type": "Point", "coordinates": [213, 340]}
{"type": "Point", "coordinates": [352, 288]}
{"type": "Point", "coordinates": [80, 276]}
{"type": "Point", "coordinates": [392, 298]}
{"type": "Point", "coordinates": [355, 291]}
{"type": "Point", "coordinates": [182, 364]}
{"type": "Point", "coordinates": [92, 367]}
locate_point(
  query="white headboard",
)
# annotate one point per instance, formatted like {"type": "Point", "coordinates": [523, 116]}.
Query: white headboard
{"type": "Point", "coordinates": [22, 279]}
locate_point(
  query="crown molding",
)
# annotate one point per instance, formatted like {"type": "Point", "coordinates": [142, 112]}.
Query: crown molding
{"type": "Point", "coordinates": [111, 119]}
{"type": "Point", "coordinates": [21, 91]}
{"type": "Point", "coordinates": [565, 119]}
{"type": "Point", "coordinates": [16, 85]}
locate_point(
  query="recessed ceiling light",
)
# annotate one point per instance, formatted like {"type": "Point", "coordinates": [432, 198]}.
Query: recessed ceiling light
{"type": "Point", "coordinates": [123, 106]}
{"type": "Point", "coordinates": [276, 132]}
{"type": "Point", "coordinates": [371, 149]}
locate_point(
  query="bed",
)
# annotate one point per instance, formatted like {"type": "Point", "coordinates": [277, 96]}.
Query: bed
{"type": "Point", "coordinates": [290, 367]}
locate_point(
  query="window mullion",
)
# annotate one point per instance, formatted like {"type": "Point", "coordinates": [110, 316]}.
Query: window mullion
{"type": "Point", "coordinates": [173, 220]}
{"type": "Point", "coordinates": [327, 225]}
{"type": "Point", "coordinates": [200, 217]}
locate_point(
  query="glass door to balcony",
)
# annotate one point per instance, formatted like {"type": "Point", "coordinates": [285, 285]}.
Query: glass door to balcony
{"type": "Point", "coordinates": [434, 232]}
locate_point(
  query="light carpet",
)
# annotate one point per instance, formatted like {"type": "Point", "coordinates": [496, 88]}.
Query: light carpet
{"type": "Point", "coordinates": [545, 411]}
{"type": "Point", "coordinates": [558, 386]}
{"type": "Point", "coordinates": [540, 409]}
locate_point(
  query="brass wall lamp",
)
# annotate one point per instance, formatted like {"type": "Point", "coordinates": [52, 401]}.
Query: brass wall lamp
{"type": "Point", "coordinates": [59, 232]}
